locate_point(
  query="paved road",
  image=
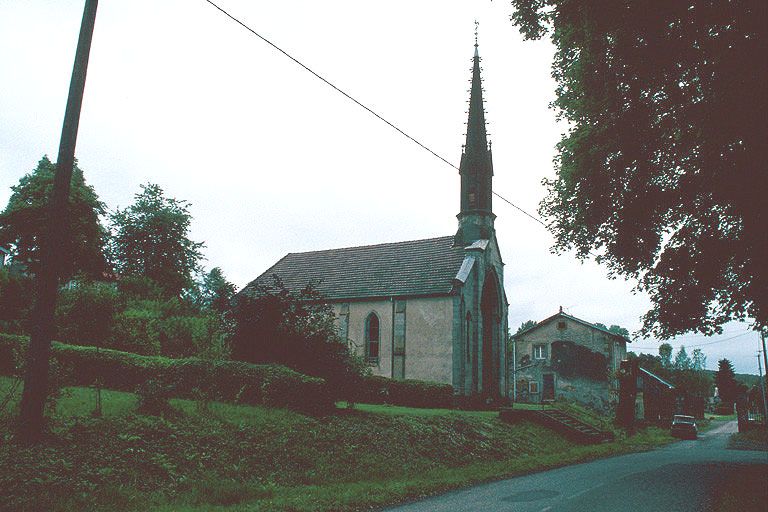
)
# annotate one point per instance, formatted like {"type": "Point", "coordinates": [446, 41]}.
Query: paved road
{"type": "Point", "coordinates": [677, 477]}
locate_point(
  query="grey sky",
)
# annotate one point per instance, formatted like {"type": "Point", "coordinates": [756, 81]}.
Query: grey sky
{"type": "Point", "coordinates": [274, 161]}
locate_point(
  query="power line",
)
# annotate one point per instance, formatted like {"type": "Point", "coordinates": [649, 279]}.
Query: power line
{"type": "Point", "coordinates": [358, 103]}
{"type": "Point", "coordinates": [705, 344]}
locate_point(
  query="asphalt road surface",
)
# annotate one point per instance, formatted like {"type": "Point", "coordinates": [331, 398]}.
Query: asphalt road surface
{"type": "Point", "coordinates": [676, 477]}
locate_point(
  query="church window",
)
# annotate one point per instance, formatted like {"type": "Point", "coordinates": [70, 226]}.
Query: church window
{"type": "Point", "coordinates": [468, 335]}
{"type": "Point", "coordinates": [372, 337]}
{"type": "Point", "coordinates": [561, 326]}
{"type": "Point", "coordinates": [539, 351]}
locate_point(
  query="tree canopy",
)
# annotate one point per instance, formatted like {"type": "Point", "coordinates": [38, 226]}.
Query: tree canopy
{"type": "Point", "coordinates": [151, 239]}
{"type": "Point", "coordinates": [661, 173]}
{"type": "Point", "coordinates": [24, 222]}
{"type": "Point", "coordinates": [528, 324]}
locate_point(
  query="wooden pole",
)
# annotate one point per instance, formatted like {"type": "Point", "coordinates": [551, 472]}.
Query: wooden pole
{"type": "Point", "coordinates": [30, 427]}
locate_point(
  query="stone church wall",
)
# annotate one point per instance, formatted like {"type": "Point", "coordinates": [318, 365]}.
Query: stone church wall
{"type": "Point", "coordinates": [429, 339]}
{"type": "Point", "coordinates": [426, 333]}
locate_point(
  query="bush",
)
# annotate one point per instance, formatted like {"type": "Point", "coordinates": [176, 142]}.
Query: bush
{"type": "Point", "coordinates": [85, 314]}
{"type": "Point", "coordinates": [16, 298]}
{"type": "Point", "coordinates": [231, 381]}
{"type": "Point", "coordinates": [153, 397]}
{"type": "Point", "coordinates": [405, 392]}
{"type": "Point", "coordinates": [275, 325]}
{"type": "Point", "coordinates": [13, 350]}
{"type": "Point", "coordinates": [285, 388]}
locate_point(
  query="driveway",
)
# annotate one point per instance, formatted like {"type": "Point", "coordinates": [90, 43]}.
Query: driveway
{"type": "Point", "coordinates": [676, 477]}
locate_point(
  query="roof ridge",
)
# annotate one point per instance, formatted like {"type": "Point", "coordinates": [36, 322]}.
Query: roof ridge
{"type": "Point", "coordinates": [448, 237]}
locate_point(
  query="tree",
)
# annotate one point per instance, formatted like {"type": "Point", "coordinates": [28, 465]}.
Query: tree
{"type": "Point", "coordinates": [661, 172]}
{"type": "Point", "coordinates": [682, 360]}
{"type": "Point", "coordinates": [25, 219]}
{"type": "Point", "coordinates": [276, 325]}
{"type": "Point", "coordinates": [665, 354]}
{"type": "Point", "coordinates": [725, 380]}
{"type": "Point", "coordinates": [215, 291]}
{"type": "Point", "coordinates": [528, 324]}
{"type": "Point", "coordinates": [151, 239]}
{"type": "Point", "coordinates": [621, 331]}
{"type": "Point", "coordinates": [698, 359]}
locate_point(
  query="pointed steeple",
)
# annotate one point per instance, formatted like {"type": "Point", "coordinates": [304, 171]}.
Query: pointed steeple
{"type": "Point", "coordinates": [476, 169]}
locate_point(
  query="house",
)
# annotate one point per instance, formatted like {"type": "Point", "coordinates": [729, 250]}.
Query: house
{"type": "Point", "coordinates": [566, 357]}
{"type": "Point", "coordinates": [431, 309]}
{"type": "Point", "coordinates": [4, 253]}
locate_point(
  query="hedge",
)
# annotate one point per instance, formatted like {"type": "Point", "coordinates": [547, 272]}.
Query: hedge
{"type": "Point", "coordinates": [405, 392]}
{"type": "Point", "coordinates": [231, 381]}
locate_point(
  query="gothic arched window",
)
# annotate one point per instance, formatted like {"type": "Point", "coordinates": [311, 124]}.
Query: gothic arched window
{"type": "Point", "coordinates": [372, 337]}
{"type": "Point", "coordinates": [468, 334]}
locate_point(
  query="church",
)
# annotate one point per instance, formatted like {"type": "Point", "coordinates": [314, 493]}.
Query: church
{"type": "Point", "coordinates": [431, 309]}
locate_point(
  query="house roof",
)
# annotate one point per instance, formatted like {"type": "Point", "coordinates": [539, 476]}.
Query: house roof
{"type": "Point", "coordinates": [560, 314]}
{"type": "Point", "coordinates": [413, 268]}
{"type": "Point", "coordinates": [655, 377]}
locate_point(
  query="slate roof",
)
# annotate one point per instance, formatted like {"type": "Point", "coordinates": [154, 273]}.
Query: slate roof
{"type": "Point", "coordinates": [413, 268]}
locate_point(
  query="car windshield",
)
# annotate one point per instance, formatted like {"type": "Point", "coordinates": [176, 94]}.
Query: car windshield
{"type": "Point", "coordinates": [683, 419]}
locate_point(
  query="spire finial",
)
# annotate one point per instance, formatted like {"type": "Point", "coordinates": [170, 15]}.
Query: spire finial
{"type": "Point", "coordinates": [477, 24]}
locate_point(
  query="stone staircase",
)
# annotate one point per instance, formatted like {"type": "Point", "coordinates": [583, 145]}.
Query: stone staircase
{"type": "Point", "coordinates": [564, 424]}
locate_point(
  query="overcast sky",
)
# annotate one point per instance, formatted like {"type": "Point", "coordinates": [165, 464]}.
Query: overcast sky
{"type": "Point", "coordinates": [273, 160]}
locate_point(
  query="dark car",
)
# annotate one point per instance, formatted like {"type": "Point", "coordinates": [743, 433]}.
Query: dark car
{"type": "Point", "coordinates": [684, 427]}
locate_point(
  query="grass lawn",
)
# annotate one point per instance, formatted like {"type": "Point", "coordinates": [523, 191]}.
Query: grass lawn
{"type": "Point", "coordinates": [226, 457]}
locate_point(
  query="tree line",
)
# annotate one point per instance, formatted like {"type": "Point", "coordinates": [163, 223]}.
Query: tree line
{"type": "Point", "coordinates": [136, 284]}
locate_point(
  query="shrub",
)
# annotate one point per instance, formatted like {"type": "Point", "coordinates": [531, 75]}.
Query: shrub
{"type": "Point", "coordinates": [285, 388]}
{"type": "Point", "coordinates": [405, 392]}
{"type": "Point", "coordinates": [153, 397]}
{"type": "Point", "coordinates": [232, 381]}
{"type": "Point", "coordinates": [85, 314]}
{"type": "Point", "coordinates": [295, 329]}
{"type": "Point", "coordinates": [16, 298]}
{"type": "Point", "coordinates": [13, 349]}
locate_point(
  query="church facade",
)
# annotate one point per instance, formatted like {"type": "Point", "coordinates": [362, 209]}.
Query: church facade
{"type": "Point", "coordinates": [431, 309]}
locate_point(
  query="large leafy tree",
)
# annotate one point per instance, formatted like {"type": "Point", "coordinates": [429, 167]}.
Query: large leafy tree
{"type": "Point", "coordinates": [24, 222]}
{"type": "Point", "coordinates": [662, 172]}
{"type": "Point", "coordinates": [151, 240]}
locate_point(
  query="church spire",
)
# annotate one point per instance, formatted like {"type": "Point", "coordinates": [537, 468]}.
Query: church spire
{"type": "Point", "coordinates": [476, 169]}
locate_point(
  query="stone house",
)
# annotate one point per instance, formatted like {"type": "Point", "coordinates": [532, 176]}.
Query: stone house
{"type": "Point", "coordinates": [566, 357]}
{"type": "Point", "coordinates": [431, 309]}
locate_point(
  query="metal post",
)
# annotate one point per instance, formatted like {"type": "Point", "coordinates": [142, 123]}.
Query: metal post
{"type": "Point", "coordinates": [52, 245]}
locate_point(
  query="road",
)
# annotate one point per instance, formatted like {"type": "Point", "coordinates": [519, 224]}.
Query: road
{"type": "Point", "coordinates": [676, 477]}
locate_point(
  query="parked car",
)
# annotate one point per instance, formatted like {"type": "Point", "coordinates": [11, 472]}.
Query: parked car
{"type": "Point", "coordinates": [684, 427]}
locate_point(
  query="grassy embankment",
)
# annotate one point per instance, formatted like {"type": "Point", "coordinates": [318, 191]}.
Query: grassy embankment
{"type": "Point", "coordinates": [226, 457]}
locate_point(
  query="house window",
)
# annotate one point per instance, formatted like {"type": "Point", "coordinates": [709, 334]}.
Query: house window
{"type": "Point", "coordinates": [539, 351]}
{"type": "Point", "coordinates": [533, 387]}
{"type": "Point", "coordinates": [372, 338]}
{"type": "Point", "coordinates": [561, 326]}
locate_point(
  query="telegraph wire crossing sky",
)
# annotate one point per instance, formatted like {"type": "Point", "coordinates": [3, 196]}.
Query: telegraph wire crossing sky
{"type": "Point", "coordinates": [274, 161]}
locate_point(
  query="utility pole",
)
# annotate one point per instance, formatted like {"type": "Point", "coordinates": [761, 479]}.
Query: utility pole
{"type": "Point", "coordinates": [53, 244]}
{"type": "Point", "coordinates": [765, 355]}
{"type": "Point", "coordinates": [762, 386]}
